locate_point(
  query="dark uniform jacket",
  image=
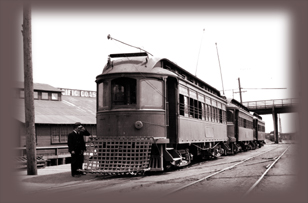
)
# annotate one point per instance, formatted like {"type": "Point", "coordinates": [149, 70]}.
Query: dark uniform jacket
{"type": "Point", "coordinates": [76, 142]}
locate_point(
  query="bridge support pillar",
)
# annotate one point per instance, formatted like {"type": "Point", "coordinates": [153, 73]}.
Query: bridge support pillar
{"type": "Point", "coordinates": [275, 121]}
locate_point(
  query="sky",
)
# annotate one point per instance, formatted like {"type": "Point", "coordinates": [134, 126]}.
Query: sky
{"type": "Point", "coordinates": [69, 49]}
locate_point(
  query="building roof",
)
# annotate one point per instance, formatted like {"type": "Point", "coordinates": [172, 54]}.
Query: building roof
{"type": "Point", "coordinates": [68, 111]}
{"type": "Point", "coordinates": [38, 86]}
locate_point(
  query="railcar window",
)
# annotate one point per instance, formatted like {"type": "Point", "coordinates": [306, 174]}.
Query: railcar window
{"type": "Point", "coordinates": [261, 128]}
{"type": "Point", "coordinates": [230, 116]}
{"type": "Point", "coordinates": [195, 108]}
{"type": "Point", "coordinates": [182, 105]}
{"type": "Point", "coordinates": [203, 111]}
{"type": "Point", "coordinates": [220, 115]}
{"type": "Point", "coordinates": [151, 94]}
{"type": "Point", "coordinates": [123, 91]}
{"type": "Point", "coordinates": [186, 106]}
{"type": "Point", "coordinates": [210, 113]}
{"type": "Point", "coordinates": [102, 95]}
{"type": "Point", "coordinates": [191, 108]}
{"type": "Point", "coordinates": [217, 115]}
{"type": "Point", "coordinates": [199, 110]}
{"type": "Point", "coordinates": [194, 111]}
{"type": "Point", "coordinates": [251, 124]}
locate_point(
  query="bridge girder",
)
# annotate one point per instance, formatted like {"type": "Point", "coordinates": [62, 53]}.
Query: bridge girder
{"type": "Point", "coordinates": [279, 110]}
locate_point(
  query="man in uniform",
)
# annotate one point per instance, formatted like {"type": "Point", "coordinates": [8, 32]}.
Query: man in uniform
{"type": "Point", "coordinates": [76, 147]}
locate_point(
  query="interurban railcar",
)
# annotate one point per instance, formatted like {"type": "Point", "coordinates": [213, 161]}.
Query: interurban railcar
{"type": "Point", "coordinates": [153, 115]}
{"type": "Point", "coordinates": [241, 125]}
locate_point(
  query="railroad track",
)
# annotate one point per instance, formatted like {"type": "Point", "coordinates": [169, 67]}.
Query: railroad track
{"type": "Point", "coordinates": [107, 184]}
{"type": "Point", "coordinates": [269, 166]}
{"type": "Point", "coordinates": [267, 170]}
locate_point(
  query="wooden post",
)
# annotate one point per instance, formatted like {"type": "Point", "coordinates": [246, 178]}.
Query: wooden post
{"type": "Point", "coordinates": [28, 87]}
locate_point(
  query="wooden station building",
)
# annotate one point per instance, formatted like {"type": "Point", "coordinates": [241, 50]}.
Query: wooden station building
{"type": "Point", "coordinates": [56, 110]}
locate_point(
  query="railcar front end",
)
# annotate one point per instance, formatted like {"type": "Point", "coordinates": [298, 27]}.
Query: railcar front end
{"type": "Point", "coordinates": [133, 96]}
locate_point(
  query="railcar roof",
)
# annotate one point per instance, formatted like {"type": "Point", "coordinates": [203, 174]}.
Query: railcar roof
{"type": "Point", "coordinates": [235, 103]}
{"type": "Point", "coordinates": [257, 115]}
{"type": "Point", "coordinates": [139, 63]}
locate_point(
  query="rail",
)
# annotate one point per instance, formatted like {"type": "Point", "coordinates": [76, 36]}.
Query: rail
{"type": "Point", "coordinates": [262, 176]}
{"type": "Point", "coordinates": [213, 174]}
{"type": "Point", "coordinates": [266, 104]}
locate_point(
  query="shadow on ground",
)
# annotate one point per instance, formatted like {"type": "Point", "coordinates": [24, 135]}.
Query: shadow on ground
{"type": "Point", "coordinates": [64, 177]}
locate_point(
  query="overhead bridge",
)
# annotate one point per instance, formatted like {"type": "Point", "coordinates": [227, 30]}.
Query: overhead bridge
{"type": "Point", "coordinates": [273, 107]}
{"type": "Point", "coordinates": [267, 106]}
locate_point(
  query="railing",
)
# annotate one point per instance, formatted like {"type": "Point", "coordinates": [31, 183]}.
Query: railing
{"type": "Point", "coordinates": [266, 104]}
{"type": "Point", "coordinates": [22, 150]}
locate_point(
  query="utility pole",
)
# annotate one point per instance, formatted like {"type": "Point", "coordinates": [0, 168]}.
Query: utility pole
{"type": "Point", "coordinates": [239, 86]}
{"type": "Point", "coordinates": [28, 87]}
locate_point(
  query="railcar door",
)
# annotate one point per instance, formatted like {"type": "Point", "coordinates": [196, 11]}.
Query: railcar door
{"type": "Point", "coordinates": [172, 98]}
{"type": "Point", "coordinates": [236, 122]}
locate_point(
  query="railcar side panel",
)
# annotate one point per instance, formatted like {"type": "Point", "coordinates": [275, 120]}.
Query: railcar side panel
{"type": "Point", "coordinates": [261, 135]}
{"type": "Point", "coordinates": [245, 134]}
{"type": "Point", "coordinates": [193, 131]}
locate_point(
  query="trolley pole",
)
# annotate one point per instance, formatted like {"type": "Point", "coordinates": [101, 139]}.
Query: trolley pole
{"type": "Point", "coordinates": [223, 89]}
{"type": "Point", "coordinates": [239, 87]}
{"type": "Point", "coordinates": [28, 87]}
